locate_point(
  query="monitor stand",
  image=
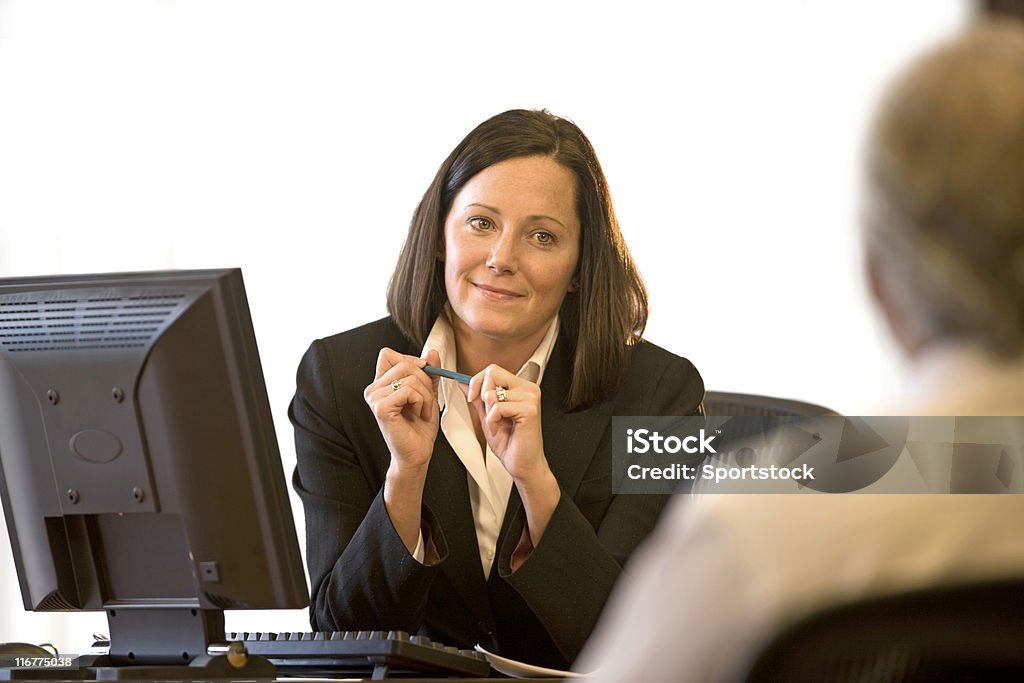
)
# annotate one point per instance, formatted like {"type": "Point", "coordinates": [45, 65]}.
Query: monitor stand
{"type": "Point", "coordinates": [160, 644]}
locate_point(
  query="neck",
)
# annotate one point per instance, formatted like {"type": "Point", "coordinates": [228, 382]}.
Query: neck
{"type": "Point", "coordinates": [474, 351]}
{"type": "Point", "coordinates": [961, 379]}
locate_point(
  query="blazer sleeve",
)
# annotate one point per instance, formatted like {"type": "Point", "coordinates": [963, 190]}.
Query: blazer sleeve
{"type": "Point", "coordinates": [361, 574]}
{"type": "Point", "coordinates": [569, 575]}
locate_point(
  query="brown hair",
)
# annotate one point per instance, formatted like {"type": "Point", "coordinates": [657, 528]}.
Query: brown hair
{"type": "Point", "coordinates": [605, 314]}
{"type": "Point", "coordinates": [944, 218]}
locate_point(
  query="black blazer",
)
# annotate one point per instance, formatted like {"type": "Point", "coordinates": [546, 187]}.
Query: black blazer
{"type": "Point", "coordinates": [363, 578]}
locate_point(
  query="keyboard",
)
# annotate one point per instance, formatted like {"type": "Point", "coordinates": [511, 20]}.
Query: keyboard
{"type": "Point", "coordinates": [374, 654]}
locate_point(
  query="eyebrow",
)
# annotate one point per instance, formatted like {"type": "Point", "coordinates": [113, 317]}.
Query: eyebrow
{"type": "Point", "coordinates": [533, 217]}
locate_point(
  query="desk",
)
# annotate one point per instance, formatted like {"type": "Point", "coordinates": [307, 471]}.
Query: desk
{"type": "Point", "coordinates": [332, 680]}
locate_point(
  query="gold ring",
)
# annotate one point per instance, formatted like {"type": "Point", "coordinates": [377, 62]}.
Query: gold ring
{"type": "Point", "coordinates": [396, 385]}
{"type": "Point", "coordinates": [502, 393]}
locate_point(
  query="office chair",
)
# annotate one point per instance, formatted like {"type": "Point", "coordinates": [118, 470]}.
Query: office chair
{"type": "Point", "coordinates": [726, 403]}
{"type": "Point", "coordinates": [758, 413]}
{"type": "Point", "coordinates": [971, 632]}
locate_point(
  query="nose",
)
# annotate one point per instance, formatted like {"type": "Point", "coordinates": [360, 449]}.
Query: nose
{"type": "Point", "coordinates": [503, 255]}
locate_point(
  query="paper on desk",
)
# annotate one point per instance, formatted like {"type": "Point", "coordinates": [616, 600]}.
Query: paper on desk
{"type": "Point", "coordinates": [511, 667]}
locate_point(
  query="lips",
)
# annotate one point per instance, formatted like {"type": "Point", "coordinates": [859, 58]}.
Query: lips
{"type": "Point", "coordinates": [496, 293]}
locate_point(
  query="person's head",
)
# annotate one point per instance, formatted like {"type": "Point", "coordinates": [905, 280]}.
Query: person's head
{"type": "Point", "coordinates": [944, 217]}
{"type": "Point", "coordinates": [591, 282]}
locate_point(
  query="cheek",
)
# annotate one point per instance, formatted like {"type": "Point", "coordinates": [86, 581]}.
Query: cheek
{"type": "Point", "coordinates": [450, 254]}
{"type": "Point", "coordinates": [451, 273]}
{"type": "Point", "coordinates": [556, 278]}
{"type": "Point", "coordinates": [453, 258]}
{"type": "Point", "coordinates": [567, 272]}
{"type": "Point", "coordinates": [458, 262]}
{"type": "Point", "coordinates": [462, 256]}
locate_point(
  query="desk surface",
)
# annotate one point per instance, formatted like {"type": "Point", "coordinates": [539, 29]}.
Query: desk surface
{"type": "Point", "coordinates": [331, 680]}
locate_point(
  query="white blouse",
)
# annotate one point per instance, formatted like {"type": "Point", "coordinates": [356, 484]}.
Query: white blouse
{"type": "Point", "coordinates": [490, 485]}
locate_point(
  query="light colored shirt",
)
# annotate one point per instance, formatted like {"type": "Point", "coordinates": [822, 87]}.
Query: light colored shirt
{"type": "Point", "coordinates": [724, 573]}
{"type": "Point", "coordinates": [490, 484]}
{"type": "Point", "coordinates": [961, 380]}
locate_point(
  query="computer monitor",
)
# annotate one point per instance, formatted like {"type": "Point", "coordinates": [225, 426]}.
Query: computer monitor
{"type": "Point", "coordinates": [139, 468]}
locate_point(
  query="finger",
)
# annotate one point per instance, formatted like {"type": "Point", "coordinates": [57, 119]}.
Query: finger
{"type": "Point", "coordinates": [402, 370]}
{"type": "Point", "coordinates": [475, 386]}
{"type": "Point", "coordinates": [427, 396]}
{"type": "Point", "coordinates": [481, 409]}
{"type": "Point", "coordinates": [411, 374]}
{"type": "Point", "coordinates": [432, 357]}
{"type": "Point", "coordinates": [519, 412]}
{"type": "Point", "coordinates": [388, 358]}
{"type": "Point", "coordinates": [414, 399]}
{"type": "Point", "coordinates": [472, 393]}
{"type": "Point", "coordinates": [411, 391]}
{"type": "Point", "coordinates": [491, 396]}
{"type": "Point", "coordinates": [515, 390]}
{"type": "Point", "coordinates": [430, 384]}
{"type": "Point", "coordinates": [426, 392]}
{"type": "Point", "coordinates": [497, 376]}
{"type": "Point", "coordinates": [498, 413]}
{"type": "Point", "coordinates": [487, 387]}
{"type": "Point", "coordinates": [380, 396]}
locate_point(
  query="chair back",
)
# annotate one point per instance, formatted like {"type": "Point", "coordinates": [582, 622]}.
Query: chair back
{"type": "Point", "coordinates": [727, 403]}
{"type": "Point", "coordinates": [969, 632]}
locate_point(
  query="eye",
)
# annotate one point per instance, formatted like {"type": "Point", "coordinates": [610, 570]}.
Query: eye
{"type": "Point", "coordinates": [544, 238]}
{"type": "Point", "coordinates": [480, 223]}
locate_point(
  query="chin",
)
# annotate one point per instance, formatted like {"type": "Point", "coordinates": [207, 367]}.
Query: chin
{"type": "Point", "coordinates": [498, 331]}
{"type": "Point", "coordinates": [497, 323]}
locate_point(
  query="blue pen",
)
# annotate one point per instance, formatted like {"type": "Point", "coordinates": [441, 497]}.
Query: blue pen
{"type": "Point", "coordinates": [441, 372]}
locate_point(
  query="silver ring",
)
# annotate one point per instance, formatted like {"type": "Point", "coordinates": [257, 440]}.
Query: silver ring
{"type": "Point", "coordinates": [502, 393]}
{"type": "Point", "coordinates": [396, 385]}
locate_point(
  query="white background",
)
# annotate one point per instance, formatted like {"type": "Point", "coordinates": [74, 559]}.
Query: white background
{"type": "Point", "coordinates": [294, 139]}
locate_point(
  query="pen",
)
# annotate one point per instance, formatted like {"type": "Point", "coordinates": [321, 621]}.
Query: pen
{"type": "Point", "coordinates": [441, 372]}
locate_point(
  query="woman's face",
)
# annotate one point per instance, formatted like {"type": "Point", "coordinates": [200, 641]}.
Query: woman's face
{"type": "Point", "coordinates": [512, 241]}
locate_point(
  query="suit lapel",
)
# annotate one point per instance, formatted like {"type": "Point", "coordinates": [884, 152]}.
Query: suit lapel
{"type": "Point", "coordinates": [447, 495]}
{"type": "Point", "coordinates": [570, 437]}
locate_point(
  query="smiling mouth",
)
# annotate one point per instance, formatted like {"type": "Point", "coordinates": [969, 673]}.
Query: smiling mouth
{"type": "Point", "coordinates": [495, 293]}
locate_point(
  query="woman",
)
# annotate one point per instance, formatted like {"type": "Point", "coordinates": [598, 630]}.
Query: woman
{"type": "Point", "coordinates": [483, 513]}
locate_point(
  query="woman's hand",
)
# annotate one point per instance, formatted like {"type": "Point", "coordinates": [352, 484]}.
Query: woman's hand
{"type": "Point", "coordinates": [511, 426]}
{"type": "Point", "coordinates": [403, 399]}
{"type": "Point", "coordinates": [509, 410]}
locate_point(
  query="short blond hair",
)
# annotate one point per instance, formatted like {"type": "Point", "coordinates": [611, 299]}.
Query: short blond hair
{"type": "Point", "coordinates": [944, 217]}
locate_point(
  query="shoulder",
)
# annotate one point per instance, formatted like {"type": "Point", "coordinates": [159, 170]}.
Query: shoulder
{"type": "Point", "coordinates": [351, 356]}
{"type": "Point", "coordinates": [648, 357]}
{"type": "Point", "coordinates": [656, 375]}
{"type": "Point", "coordinates": [648, 361]}
{"type": "Point", "coordinates": [379, 333]}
